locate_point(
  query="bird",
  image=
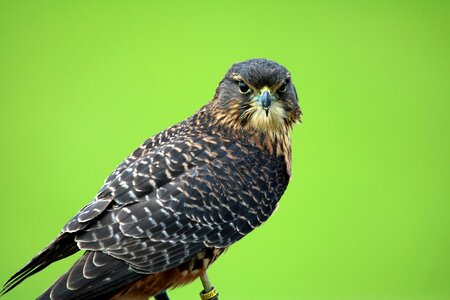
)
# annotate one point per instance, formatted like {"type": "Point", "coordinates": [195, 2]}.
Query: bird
{"type": "Point", "coordinates": [183, 197]}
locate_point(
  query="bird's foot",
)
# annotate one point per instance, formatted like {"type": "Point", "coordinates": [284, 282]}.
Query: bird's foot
{"type": "Point", "coordinates": [209, 292]}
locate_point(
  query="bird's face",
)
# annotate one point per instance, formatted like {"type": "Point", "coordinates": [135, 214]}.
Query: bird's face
{"type": "Point", "coordinates": [258, 94]}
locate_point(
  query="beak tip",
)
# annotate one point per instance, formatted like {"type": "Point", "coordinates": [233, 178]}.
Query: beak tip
{"type": "Point", "coordinates": [266, 101]}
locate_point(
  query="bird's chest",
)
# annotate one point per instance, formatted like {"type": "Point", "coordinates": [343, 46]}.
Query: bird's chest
{"type": "Point", "coordinates": [251, 182]}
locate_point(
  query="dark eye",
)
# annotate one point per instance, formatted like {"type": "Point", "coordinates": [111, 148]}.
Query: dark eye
{"type": "Point", "coordinates": [282, 88]}
{"type": "Point", "coordinates": [243, 88]}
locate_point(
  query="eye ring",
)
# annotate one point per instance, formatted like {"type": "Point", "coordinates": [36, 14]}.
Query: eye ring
{"type": "Point", "coordinates": [244, 88]}
{"type": "Point", "coordinates": [282, 87]}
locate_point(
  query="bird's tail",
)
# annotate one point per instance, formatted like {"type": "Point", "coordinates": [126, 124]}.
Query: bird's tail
{"type": "Point", "coordinates": [61, 247]}
{"type": "Point", "coordinates": [95, 275]}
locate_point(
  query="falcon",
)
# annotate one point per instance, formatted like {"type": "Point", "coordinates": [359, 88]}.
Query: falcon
{"type": "Point", "coordinates": [168, 211]}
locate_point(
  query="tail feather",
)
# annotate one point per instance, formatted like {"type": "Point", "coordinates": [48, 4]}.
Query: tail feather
{"type": "Point", "coordinates": [60, 248]}
{"type": "Point", "coordinates": [95, 275]}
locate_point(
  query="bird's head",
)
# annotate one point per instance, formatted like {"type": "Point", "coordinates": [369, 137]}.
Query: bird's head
{"type": "Point", "coordinates": [258, 95]}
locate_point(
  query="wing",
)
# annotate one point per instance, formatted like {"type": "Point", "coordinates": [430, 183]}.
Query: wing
{"type": "Point", "coordinates": [200, 193]}
{"type": "Point", "coordinates": [208, 196]}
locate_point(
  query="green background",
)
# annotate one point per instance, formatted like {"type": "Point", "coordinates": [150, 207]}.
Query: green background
{"type": "Point", "coordinates": [366, 215]}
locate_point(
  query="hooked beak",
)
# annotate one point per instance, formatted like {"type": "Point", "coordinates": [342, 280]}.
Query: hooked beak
{"type": "Point", "coordinates": [265, 100]}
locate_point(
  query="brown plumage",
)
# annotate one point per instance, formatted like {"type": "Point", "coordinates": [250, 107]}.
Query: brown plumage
{"type": "Point", "coordinates": [178, 276]}
{"type": "Point", "coordinates": [184, 196]}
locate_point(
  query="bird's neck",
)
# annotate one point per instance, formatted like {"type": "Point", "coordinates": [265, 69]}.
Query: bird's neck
{"type": "Point", "coordinates": [276, 143]}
